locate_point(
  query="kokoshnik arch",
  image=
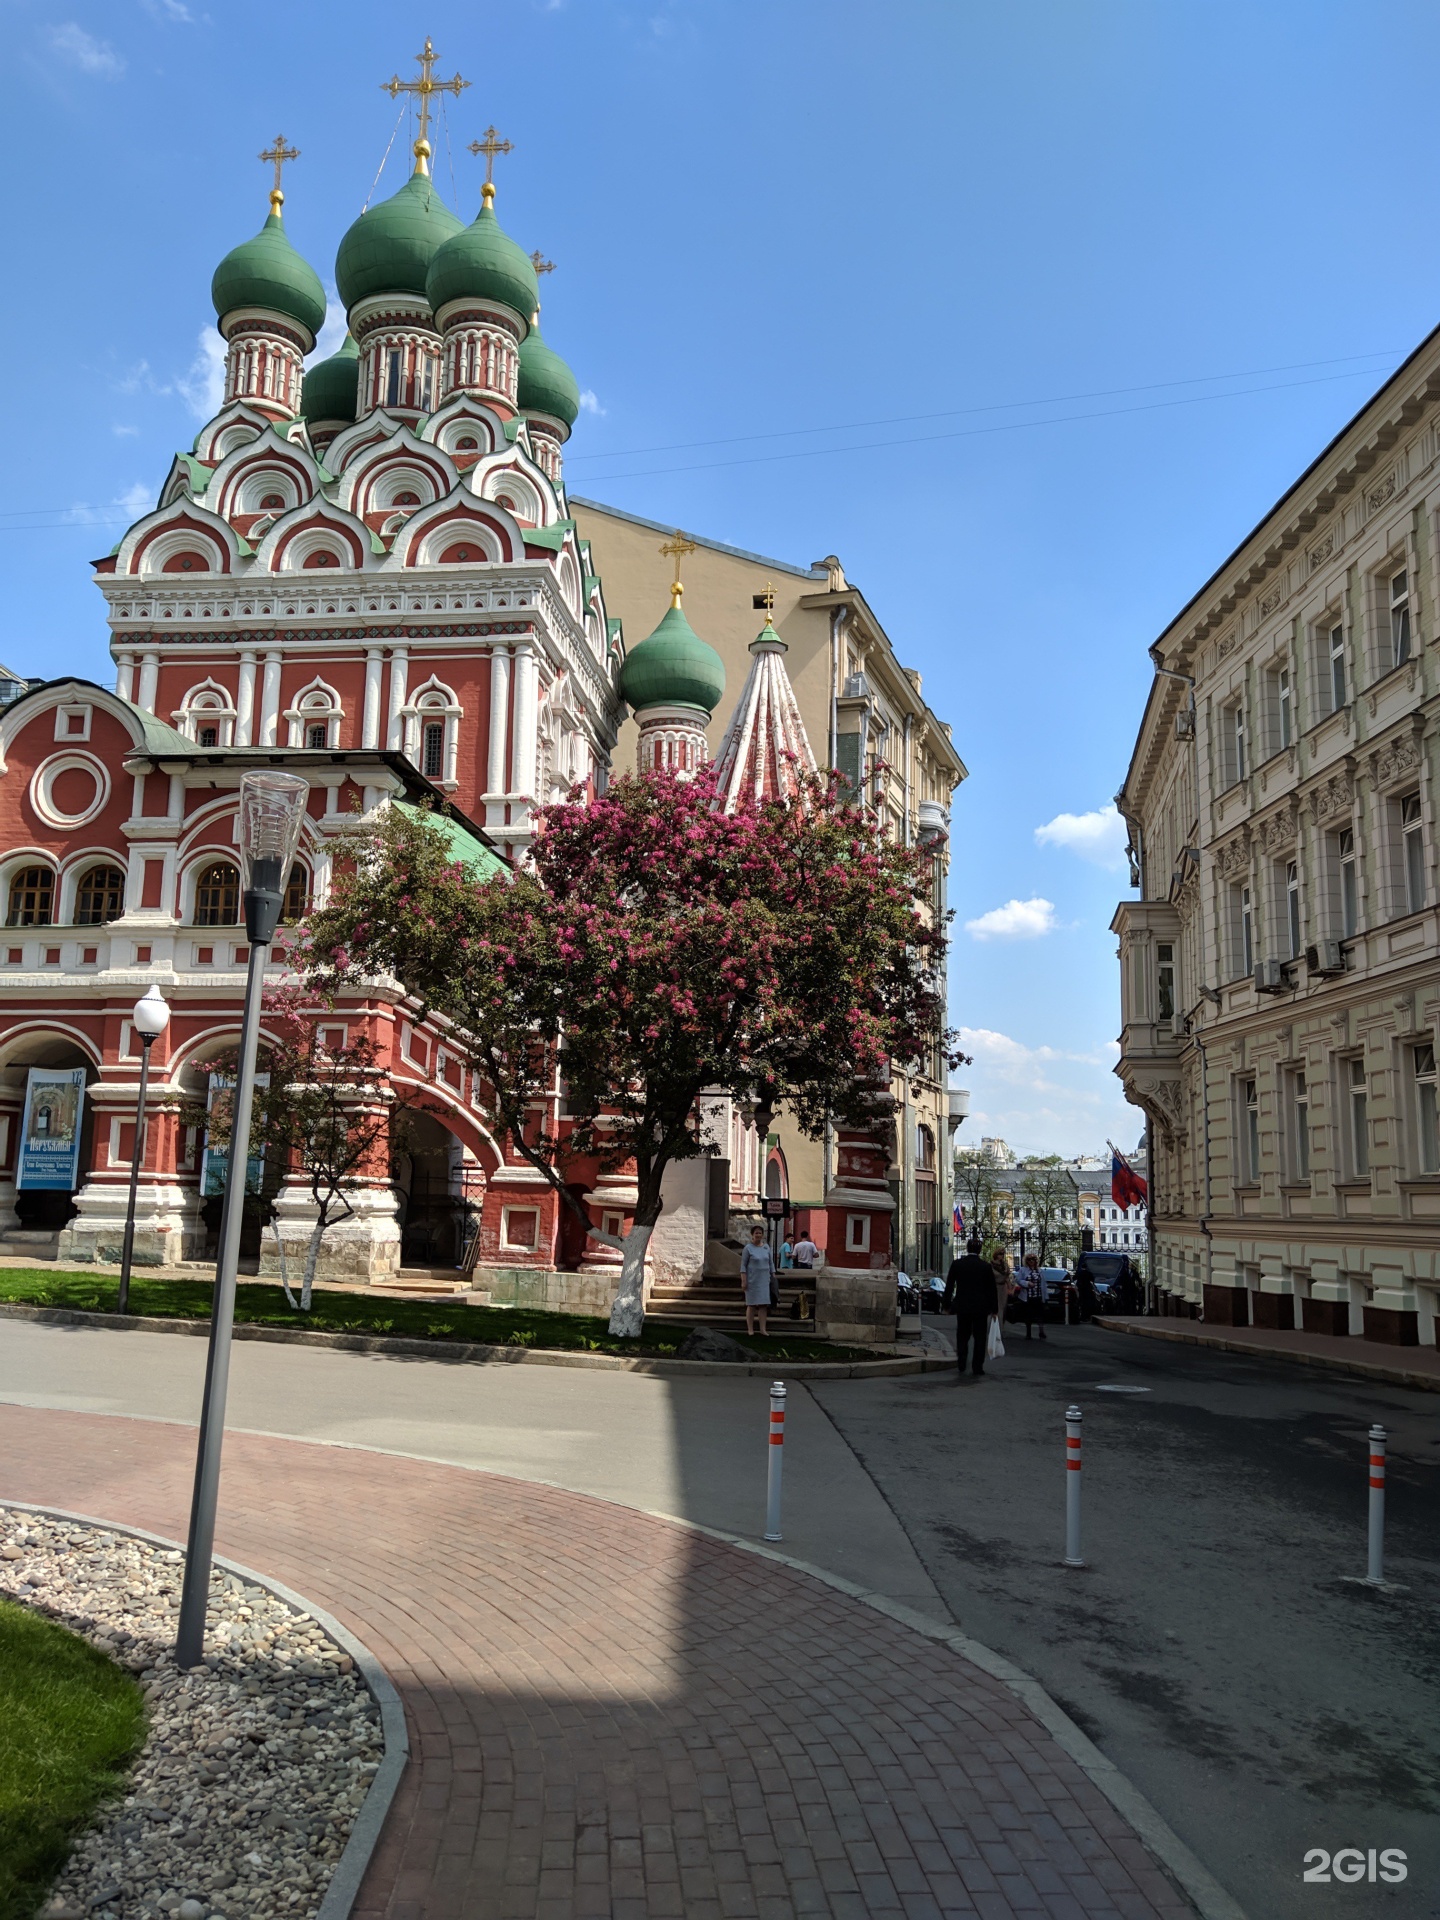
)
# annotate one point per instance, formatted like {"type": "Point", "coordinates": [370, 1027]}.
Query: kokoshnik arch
{"type": "Point", "coordinates": [368, 570]}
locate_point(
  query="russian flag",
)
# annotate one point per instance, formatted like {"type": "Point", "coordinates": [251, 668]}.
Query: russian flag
{"type": "Point", "coordinates": [959, 1213]}
{"type": "Point", "coordinates": [1127, 1188]}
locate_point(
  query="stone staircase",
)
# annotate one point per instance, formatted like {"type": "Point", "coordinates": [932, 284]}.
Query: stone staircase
{"type": "Point", "coordinates": [30, 1243]}
{"type": "Point", "coordinates": [717, 1303]}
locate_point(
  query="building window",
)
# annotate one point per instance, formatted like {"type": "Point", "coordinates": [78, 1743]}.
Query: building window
{"type": "Point", "coordinates": [1165, 981]}
{"type": "Point", "coordinates": [1349, 891]}
{"type": "Point", "coordinates": [434, 750]}
{"type": "Point", "coordinates": [1292, 906]}
{"type": "Point", "coordinates": [1427, 1116]}
{"type": "Point", "coordinates": [297, 895]}
{"type": "Point", "coordinates": [32, 898]}
{"type": "Point", "coordinates": [100, 897]}
{"type": "Point", "coordinates": [1399, 619]}
{"type": "Point", "coordinates": [208, 737]}
{"type": "Point", "coordinates": [217, 895]}
{"type": "Point", "coordinates": [1337, 666]}
{"type": "Point", "coordinates": [1357, 1089]}
{"type": "Point", "coordinates": [317, 736]}
{"type": "Point", "coordinates": [392, 379]}
{"type": "Point", "coordinates": [1285, 701]}
{"type": "Point", "coordinates": [1299, 1127]}
{"type": "Point", "coordinates": [1235, 742]}
{"type": "Point", "coordinates": [1412, 846]}
{"type": "Point", "coordinates": [1250, 1131]}
{"type": "Point", "coordinates": [1242, 932]}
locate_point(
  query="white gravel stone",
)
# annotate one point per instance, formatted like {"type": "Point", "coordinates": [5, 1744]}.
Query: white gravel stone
{"type": "Point", "coordinates": [255, 1763]}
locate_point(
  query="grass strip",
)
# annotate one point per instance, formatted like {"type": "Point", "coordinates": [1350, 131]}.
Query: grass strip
{"type": "Point", "coordinates": [70, 1721]}
{"type": "Point", "coordinates": [262, 1305]}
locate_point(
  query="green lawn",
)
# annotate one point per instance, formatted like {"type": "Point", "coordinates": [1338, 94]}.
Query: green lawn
{"type": "Point", "coordinates": [264, 1305]}
{"type": "Point", "coordinates": [70, 1719]}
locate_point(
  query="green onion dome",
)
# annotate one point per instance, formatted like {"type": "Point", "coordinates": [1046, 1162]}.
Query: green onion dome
{"type": "Point", "coordinates": [389, 249]}
{"type": "Point", "coordinates": [329, 392]}
{"type": "Point", "coordinates": [546, 384]}
{"type": "Point", "coordinates": [267, 272]}
{"type": "Point", "coordinates": [673, 668]}
{"type": "Point", "coordinates": [482, 262]}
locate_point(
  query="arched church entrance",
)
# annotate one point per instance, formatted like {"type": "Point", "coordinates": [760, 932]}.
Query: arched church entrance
{"type": "Point", "coordinates": [439, 1193]}
{"type": "Point", "coordinates": [31, 1214]}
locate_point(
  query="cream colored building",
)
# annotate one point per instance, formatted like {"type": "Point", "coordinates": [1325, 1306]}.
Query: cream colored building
{"type": "Point", "coordinates": [865, 714]}
{"type": "Point", "coordinates": [1280, 971]}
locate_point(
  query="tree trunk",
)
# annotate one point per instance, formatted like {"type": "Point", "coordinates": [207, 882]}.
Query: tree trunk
{"type": "Point", "coordinates": [312, 1259]}
{"type": "Point", "coordinates": [627, 1316]}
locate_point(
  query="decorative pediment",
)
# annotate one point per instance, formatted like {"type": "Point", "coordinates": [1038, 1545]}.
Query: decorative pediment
{"type": "Point", "coordinates": [1234, 856]}
{"type": "Point", "coordinates": [1397, 759]}
{"type": "Point", "coordinates": [1335, 797]}
{"type": "Point", "coordinates": [1277, 829]}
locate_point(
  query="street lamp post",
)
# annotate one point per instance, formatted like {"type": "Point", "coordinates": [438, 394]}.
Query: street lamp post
{"type": "Point", "coordinates": [272, 810]}
{"type": "Point", "coordinates": [150, 1019]}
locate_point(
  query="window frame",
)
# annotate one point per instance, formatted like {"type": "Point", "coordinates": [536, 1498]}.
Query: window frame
{"type": "Point", "coordinates": [1357, 1115]}
{"type": "Point", "coordinates": [1410, 825]}
{"type": "Point", "coordinates": [1338, 677]}
{"type": "Point", "coordinates": [209, 916]}
{"type": "Point", "coordinates": [1294, 931]}
{"type": "Point", "coordinates": [1425, 1101]}
{"type": "Point", "coordinates": [33, 876]}
{"type": "Point", "coordinates": [1164, 980]}
{"type": "Point", "coordinates": [1248, 1132]}
{"type": "Point", "coordinates": [1347, 883]}
{"type": "Point", "coordinates": [1297, 1104]}
{"type": "Point", "coordinates": [1399, 607]}
{"type": "Point", "coordinates": [103, 919]}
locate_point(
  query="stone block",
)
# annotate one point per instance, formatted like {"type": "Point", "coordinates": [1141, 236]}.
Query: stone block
{"type": "Point", "coordinates": [855, 1306]}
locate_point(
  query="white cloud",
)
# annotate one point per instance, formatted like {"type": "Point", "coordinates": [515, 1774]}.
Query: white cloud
{"type": "Point", "coordinates": [84, 51]}
{"type": "Point", "coordinates": [1016, 920]}
{"type": "Point", "coordinates": [589, 403]}
{"type": "Point", "coordinates": [170, 10]}
{"type": "Point", "coordinates": [125, 433]}
{"type": "Point", "coordinates": [202, 385]}
{"type": "Point", "coordinates": [337, 325]}
{"type": "Point", "coordinates": [1098, 836]}
{"type": "Point", "coordinates": [137, 499]}
{"type": "Point", "coordinates": [1043, 1099]}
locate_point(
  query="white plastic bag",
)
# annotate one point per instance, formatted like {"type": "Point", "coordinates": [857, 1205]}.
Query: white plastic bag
{"type": "Point", "coordinates": [994, 1345]}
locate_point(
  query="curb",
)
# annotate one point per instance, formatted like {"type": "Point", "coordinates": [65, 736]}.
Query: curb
{"type": "Point", "coordinates": [1325, 1362]}
{"type": "Point", "coordinates": [365, 1833]}
{"type": "Point", "coordinates": [473, 1353]}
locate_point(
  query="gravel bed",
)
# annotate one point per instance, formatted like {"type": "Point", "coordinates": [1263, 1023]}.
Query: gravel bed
{"type": "Point", "coordinates": [255, 1763]}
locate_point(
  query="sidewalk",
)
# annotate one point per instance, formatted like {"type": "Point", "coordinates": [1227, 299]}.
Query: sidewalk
{"type": "Point", "coordinates": [614, 1716]}
{"type": "Point", "coordinates": [1417, 1367]}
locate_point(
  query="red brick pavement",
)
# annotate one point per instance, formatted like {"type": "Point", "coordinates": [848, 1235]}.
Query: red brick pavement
{"type": "Point", "coordinates": [614, 1716]}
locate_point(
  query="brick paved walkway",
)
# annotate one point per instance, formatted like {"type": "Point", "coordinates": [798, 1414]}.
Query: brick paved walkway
{"type": "Point", "coordinates": [613, 1716]}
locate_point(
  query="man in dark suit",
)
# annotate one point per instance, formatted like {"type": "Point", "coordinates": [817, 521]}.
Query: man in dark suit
{"type": "Point", "coordinates": [970, 1294]}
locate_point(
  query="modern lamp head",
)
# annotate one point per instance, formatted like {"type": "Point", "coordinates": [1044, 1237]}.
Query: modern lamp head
{"type": "Point", "coordinates": [152, 1014]}
{"type": "Point", "coordinates": [272, 812]}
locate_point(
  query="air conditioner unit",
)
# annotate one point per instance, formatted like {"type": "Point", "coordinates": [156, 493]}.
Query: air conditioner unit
{"type": "Point", "coordinates": [1325, 957]}
{"type": "Point", "coordinates": [1269, 976]}
{"type": "Point", "coordinates": [1185, 725]}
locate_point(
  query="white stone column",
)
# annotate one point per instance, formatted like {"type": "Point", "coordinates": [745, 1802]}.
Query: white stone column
{"type": "Point", "coordinates": [245, 700]}
{"type": "Point", "coordinates": [399, 676]}
{"type": "Point", "coordinates": [149, 680]}
{"type": "Point", "coordinates": [269, 701]}
{"type": "Point", "coordinates": [523, 757]}
{"type": "Point", "coordinates": [124, 674]}
{"type": "Point", "coordinates": [374, 669]}
{"type": "Point", "coordinates": [499, 721]}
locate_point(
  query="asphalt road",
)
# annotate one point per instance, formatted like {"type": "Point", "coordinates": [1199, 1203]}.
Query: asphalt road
{"type": "Point", "coordinates": [1212, 1646]}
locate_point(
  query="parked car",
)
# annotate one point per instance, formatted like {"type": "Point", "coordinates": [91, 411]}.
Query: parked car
{"type": "Point", "coordinates": [1117, 1288]}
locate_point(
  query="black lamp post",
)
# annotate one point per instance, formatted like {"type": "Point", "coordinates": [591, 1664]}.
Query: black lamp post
{"type": "Point", "coordinates": [272, 811]}
{"type": "Point", "coordinates": [150, 1019]}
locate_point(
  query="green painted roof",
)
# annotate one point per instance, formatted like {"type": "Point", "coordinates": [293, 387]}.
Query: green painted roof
{"type": "Point", "coordinates": [330, 389]}
{"type": "Point", "coordinates": [462, 846]}
{"type": "Point", "coordinates": [389, 249]}
{"type": "Point", "coordinates": [482, 262]}
{"type": "Point", "coordinates": [161, 741]}
{"type": "Point", "coordinates": [546, 384]}
{"type": "Point", "coordinates": [673, 668]}
{"type": "Point", "coordinates": [267, 272]}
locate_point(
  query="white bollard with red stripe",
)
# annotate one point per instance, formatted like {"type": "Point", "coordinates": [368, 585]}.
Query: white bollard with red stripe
{"type": "Point", "coordinates": [1073, 1417]}
{"type": "Point", "coordinates": [1376, 1576]}
{"type": "Point", "coordinates": [777, 1454]}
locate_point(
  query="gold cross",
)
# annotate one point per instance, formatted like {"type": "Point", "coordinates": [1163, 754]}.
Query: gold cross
{"type": "Point", "coordinates": [279, 154]}
{"type": "Point", "coordinates": [490, 146]}
{"type": "Point", "coordinates": [765, 600]}
{"type": "Point", "coordinates": [540, 263]}
{"type": "Point", "coordinates": [678, 545]}
{"type": "Point", "coordinates": [422, 89]}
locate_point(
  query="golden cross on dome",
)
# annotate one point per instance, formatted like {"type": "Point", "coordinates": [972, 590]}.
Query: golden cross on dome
{"type": "Point", "coordinates": [422, 89]}
{"type": "Point", "coordinates": [540, 263]}
{"type": "Point", "coordinates": [765, 600]}
{"type": "Point", "coordinates": [490, 146]}
{"type": "Point", "coordinates": [278, 154]}
{"type": "Point", "coordinates": [678, 546]}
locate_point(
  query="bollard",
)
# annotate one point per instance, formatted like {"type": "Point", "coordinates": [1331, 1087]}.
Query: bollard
{"type": "Point", "coordinates": [1376, 1576]}
{"type": "Point", "coordinates": [1073, 1417]}
{"type": "Point", "coordinates": [777, 1453]}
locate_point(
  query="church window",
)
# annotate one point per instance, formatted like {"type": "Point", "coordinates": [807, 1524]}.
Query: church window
{"type": "Point", "coordinates": [32, 897]}
{"type": "Point", "coordinates": [317, 736]}
{"type": "Point", "coordinates": [461, 555]}
{"type": "Point", "coordinates": [407, 499]}
{"type": "Point", "coordinates": [297, 895]}
{"type": "Point", "coordinates": [209, 737]}
{"type": "Point", "coordinates": [392, 384]}
{"type": "Point", "coordinates": [434, 756]}
{"type": "Point", "coordinates": [100, 897]}
{"type": "Point", "coordinates": [271, 501]}
{"type": "Point", "coordinates": [322, 558]}
{"type": "Point", "coordinates": [427, 375]}
{"type": "Point", "coordinates": [217, 895]}
{"type": "Point", "coordinates": [187, 562]}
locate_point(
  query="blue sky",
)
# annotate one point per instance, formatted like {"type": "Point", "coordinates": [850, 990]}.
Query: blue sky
{"type": "Point", "coordinates": [1027, 312]}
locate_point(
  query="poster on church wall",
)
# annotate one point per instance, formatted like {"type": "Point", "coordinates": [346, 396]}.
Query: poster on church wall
{"type": "Point", "coordinates": [49, 1157]}
{"type": "Point", "coordinates": [216, 1160]}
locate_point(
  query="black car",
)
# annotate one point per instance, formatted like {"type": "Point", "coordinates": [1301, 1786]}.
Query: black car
{"type": "Point", "coordinates": [1117, 1286]}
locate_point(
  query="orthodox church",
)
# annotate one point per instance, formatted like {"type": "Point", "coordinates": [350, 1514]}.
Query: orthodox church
{"type": "Point", "coordinates": [366, 570]}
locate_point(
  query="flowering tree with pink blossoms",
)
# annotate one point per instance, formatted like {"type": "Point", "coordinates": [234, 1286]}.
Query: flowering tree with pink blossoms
{"type": "Point", "coordinates": [656, 948]}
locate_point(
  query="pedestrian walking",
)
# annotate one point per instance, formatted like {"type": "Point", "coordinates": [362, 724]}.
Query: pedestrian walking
{"type": "Point", "coordinates": [787, 1253]}
{"type": "Point", "coordinates": [805, 1251]}
{"type": "Point", "coordinates": [1032, 1290]}
{"type": "Point", "coordinates": [757, 1281]}
{"type": "Point", "coordinates": [971, 1295]}
{"type": "Point", "coordinates": [1004, 1281]}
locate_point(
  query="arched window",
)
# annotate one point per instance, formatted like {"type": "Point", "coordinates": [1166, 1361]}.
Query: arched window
{"type": "Point", "coordinates": [433, 764]}
{"type": "Point", "coordinates": [100, 896]}
{"type": "Point", "coordinates": [32, 897]}
{"type": "Point", "coordinates": [924, 1150]}
{"type": "Point", "coordinates": [297, 895]}
{"type": "Point", "coordinates": [217, 895]}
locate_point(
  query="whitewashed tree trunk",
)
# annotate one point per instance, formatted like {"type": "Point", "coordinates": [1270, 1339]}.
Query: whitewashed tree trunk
{"type": "Point", "coordinates": [312, 1259]}
{"type": "Point", "coordinates": [627, 1316]}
